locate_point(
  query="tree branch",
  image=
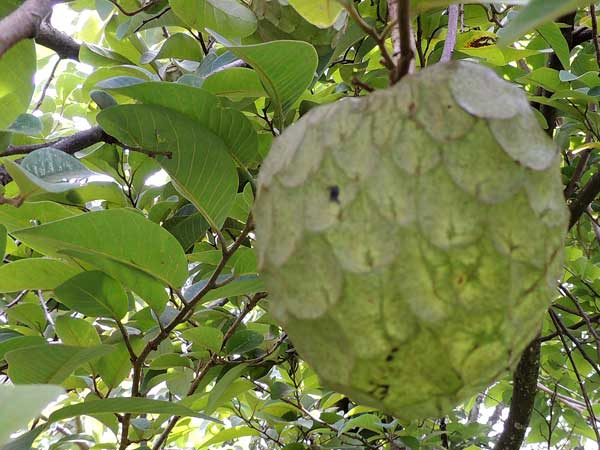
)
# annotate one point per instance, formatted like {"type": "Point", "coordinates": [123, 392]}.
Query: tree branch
{"type": "Point", "coordinates": [24, 22]}
{"type": "Point", "coordinates": [523, 398]}
{"type": "Point", "coordinates": [595, 32]}
{"type": "Point", "coordinates": [584, 198]}
{"type": "Point", "coordinates": [64, 45]}
{"type": "Point", "coordinates": [581, 35]}
{"type": "Point", "coordinates": [406, 49]}
{"type": "Point", "coordinates": [450, 42]}
{"type": "Point", "coordinates": [71, 144]}
{"type": "Point", "coordinates": [393, 14]}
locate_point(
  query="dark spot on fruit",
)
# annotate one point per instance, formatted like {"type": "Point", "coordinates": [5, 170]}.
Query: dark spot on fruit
{"type": "Point", "coordinates": [390, 356]}
{"type": "Point", "coordinates": [334, 194]}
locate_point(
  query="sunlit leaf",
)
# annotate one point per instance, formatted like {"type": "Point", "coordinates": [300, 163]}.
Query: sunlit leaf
{"type": "Point", "coordinates": [31, 400]}
{"type": "Point", "coordinates": [200, 165]}
{"type": "Point", "coordinates": [228, 17]}
{"type": "Point", "coordinates": [94, 294]}
{"type": "Point", "coordinates": [50, 174]}
{"type": "Point", "coordinates": [49, 364]}
{"type": "Point", "coordinates": [109, 240]}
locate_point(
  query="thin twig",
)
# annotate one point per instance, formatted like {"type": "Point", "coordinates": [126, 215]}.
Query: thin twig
{"type": "Point", "coordinates": [181, 317]}
{"type": "Point", "coordinates": [393, 19]}
{"type": "Point", "coordinates": [595, 32]}
{"type": "Point", "coordinates": [450, 42]}
{"type": "Point", "coordinates": [568, 401]}
{"type": "Point", "coordinates": [559, 326]}
{"type": "Point", "coordinates": [45, 309]}
{"type": "Point", "coordinates": [419, 42]}
{"type": "Point", "coordinates": [565, 290]}
{"type": "Point", "coordinates": [595, 224]}
{"type": "Point", "coordinates": [209, 364]}
{"type": "Point", "coordinates": [137, 11]}
{"type": "Point", "coordinates": [156, 17]}
{"type": "Point", "coordinates": [127, 341]}
{"type": "Point", "coordinates": [47, 85]}
{"type": "Point", "coordinates": [18, 298]}
{"type": "Point", "coordinates": [387, 59]}
{"type": "Point", "coordinates": [565, 331]}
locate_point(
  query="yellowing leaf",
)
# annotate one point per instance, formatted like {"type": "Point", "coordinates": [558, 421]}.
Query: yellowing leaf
{"type": "Point", "coordinates": [322, 13]}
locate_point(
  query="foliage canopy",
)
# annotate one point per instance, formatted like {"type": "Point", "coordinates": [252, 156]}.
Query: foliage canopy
{"type": "Point", "coordinates": [133, 313]}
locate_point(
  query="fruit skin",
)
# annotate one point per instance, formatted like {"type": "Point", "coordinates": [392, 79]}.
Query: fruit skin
{"type": "Point", "coordinates": [411, 240]}
{"type": "Point", "coordinates": [277, 20]}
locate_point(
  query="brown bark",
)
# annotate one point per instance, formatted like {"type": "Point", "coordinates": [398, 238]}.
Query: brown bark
{"type": "Point", "coordinates": [24, 22]}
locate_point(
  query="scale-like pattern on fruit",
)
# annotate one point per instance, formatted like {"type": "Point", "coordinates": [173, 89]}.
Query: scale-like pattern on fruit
{"type": "Point", "coordinates": [411, 240]}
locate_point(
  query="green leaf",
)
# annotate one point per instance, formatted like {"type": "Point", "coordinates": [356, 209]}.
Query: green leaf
{"type": "Point", "coordinates": [147, 20]}
{"type": "Point", "coordinates": [29, 214]}
{"type": "Point", "coordinates": [30, 314]}
{"type": "Point", "coordinates": [235, 83]}
{"type": "Point", "coordinates": [25, 441]}
{"type": "Point", "coordinates": [28, 402]}
{"type": "Point", "coordinates": [230, 18]}
{"type": "Point", "coordinates": [232, 126]}
{"type": "Point", "coordinates": [26, 124]}
{"type": "Point", "coordinates": [100, 57]}
{"type": "Point", "coordinates": [200, 166]}
{"type": "Point", "coordinates": [179, 46]}
{"type": "Point", "coordinates": [536, 13]}
{"type": "Point", "coordinates": [243, 341]}
{"type": "Point", "coordinates": [169, 361]}
{"type": "Point", "coordinates": [50, 174]}
{"type": "Point", "coordinates": [94, 294]}
{"type": "Point", "coordinates": [279, 390]}
{"type": "Point", "coordinates": [110, 240]}
{"type": "Point", "coordinates": [216, 395]}
{"type": "Point", "coordinates": [188, 226]}
{"type": "Point", "coordinates": [49, 364]}
{"type": "Point", "coordinates": [229, 434]}
{"type": "Point", "coordinates": [553, 36]}
{"type": "Point", "coordinates": [204, 338]}
{"type": "Point", "coordinates": [115, 367]}
{"type": "Point", "coordinates": [132, 405]}
{"type": "Point", "coordinates": [77, 332]}
{"type": "Point", "coordinates": [19, 342]}
{"type": "Point", "coordinates": [545, 77]}
{"type": "Point", "coordinates": [367, 421]}
{"type": "Point", "coordinates": [35, 273]}
{"type": "Point", "coordinates": [322, 13]}
{"type": "Point", "coordinates": [17, 67]}
{"type": "Point", "coordinates": [116, 71]}
{"type": "Point", "coordinates": [286, 68]}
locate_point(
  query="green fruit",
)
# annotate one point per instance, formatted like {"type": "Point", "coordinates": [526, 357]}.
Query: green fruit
{"type": "Point", "coordinates": [277, 20]}
{"type": "Point", "coordinates": [411, 240]}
